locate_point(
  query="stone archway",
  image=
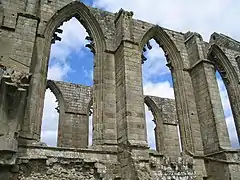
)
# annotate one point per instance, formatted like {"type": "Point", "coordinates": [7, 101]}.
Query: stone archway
{"type": "Point", "coordinates": [159, 136]}
{"type": "Point", "coordinates": [230, 79]}
{"type": "Point", "coordinates": [181, 83]}
{"type": "Point", "coordinates": [39, 68]}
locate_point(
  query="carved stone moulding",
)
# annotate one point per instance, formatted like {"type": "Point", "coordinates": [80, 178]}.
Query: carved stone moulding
{"type": "Point", "coordinates": [10, 77]}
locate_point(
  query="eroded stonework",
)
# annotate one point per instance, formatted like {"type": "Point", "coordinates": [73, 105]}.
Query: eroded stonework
{"type": "Point", "coordinates": [120, 149]}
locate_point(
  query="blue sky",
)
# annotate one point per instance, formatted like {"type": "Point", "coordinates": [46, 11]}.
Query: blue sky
{"type": "Point", "coordinates": [70, 61]}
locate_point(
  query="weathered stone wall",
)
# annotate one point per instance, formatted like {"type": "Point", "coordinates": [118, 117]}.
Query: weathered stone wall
{"type": "Point", "coordinates": [26, 35]}
{"type": "Point", "coordinates": [165, 116]}
{"type": "Point", "coordinates": [62, 163]}
{"type": "Point", "coordinates": [172, 168]}
{"type": "Point", "coordinates": [13, 93]}
{"type": "Point", "coordinates": [74, 107]}
{"type": "Point", "coordinates": [224, 164]}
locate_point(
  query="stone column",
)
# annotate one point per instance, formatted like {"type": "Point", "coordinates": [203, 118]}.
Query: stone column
{"type": "Point", "coordinates": [131, 125]}
{"type": "Point", "coordinates": [130, 99]}
{"type": "Point", "coordinates": [210, 112]}
{"type": "Point", "coordinates": [104, 101]}
{"type": "Point", "coordinates": [31, 127]}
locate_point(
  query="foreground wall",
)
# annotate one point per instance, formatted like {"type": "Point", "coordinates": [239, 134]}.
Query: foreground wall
{"type": "Point", "coordinates": [120, 150]}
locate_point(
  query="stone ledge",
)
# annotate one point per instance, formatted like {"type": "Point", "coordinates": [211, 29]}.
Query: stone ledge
{"type": "Point", "coordinates": [91, 155]}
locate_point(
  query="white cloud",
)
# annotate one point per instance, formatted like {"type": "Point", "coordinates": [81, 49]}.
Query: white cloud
{"type": "Point", "coordinates": [205, 16]}
{"type": "Point", "coordinates": [58, 72]}
{"type": "Point", "coordinates": [161, 89]}
{"type": "Point", "coordinates": [156, 62]}
{"type": "Point", "coordinates": [88, 73]}
{"type": "Point", "coordinates": [73, 40]}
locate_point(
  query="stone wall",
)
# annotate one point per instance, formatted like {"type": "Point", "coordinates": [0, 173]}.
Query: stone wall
{"type": "Point", "coordinates": [120, 149]}
{"type": "Point", "coordinates": [165, 116]}
{"type": "Point", "coordinates": [74, 107]}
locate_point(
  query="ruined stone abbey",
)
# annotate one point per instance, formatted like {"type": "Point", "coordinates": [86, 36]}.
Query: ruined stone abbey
{"type": "Point", "coordinates": [120, 149]}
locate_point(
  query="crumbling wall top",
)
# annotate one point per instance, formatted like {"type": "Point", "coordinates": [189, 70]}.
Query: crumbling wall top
{"type": "Point", "coordinates": [76, 97]}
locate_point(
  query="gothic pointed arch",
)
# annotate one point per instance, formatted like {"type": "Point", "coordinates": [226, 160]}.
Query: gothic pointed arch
{"type": "Point", "coordinates": [230, 79]}
{"type": "Point", "coordinates": [175, 62]}
{"type": "Point", "coordinates": [39, 64]}
{"type": "Point", "coordinates": [152, 106]}
{"type": "Point", "coordinates": [60, 109]}
{"type": "Point", "coordinates": [159, 135]}
{"type": "Point", "coordinates": [170, 49]}
{"type": "Point", "coordinates": [58, 94]}
{"type": "Point", "coordinates": [81, 12]}
{"type": "Point", "coordinates": [222, 62]}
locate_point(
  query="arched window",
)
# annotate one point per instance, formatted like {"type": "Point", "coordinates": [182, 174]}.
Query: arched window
{"type": "Point", "coordinates": [151, 128]}
{"type": "Point", "coordinates": [157, 81]}
{"type": "Point", "coordinates": [227, 111]}
{"type": "Point", "coordinates": [49, 131]}
{"type": "Point", "coordinates": [70, 61]}
{"type": "Point", "coordinates": [227, 79]}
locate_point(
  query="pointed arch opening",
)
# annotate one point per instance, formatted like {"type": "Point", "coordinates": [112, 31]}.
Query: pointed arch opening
{"type": "Point", "coordinates": [90, 123]}
{"type": "Point", "coordinates": [227, 80]}
{"type": "Point", "coordinates": [53, 112]}
{"type": "Point", "coordinates": [157, 51]}
{"type": "Point", "coordinates": [228, 115]}
{"type": "Point", "coordinates": [151, 128]}
{"type": "Point", "coordinates": [151, 116]}
{"type": "Point", "coordinates": [63, 25]}
{"type": "Point", "coordinates": [70, 60]}
{"type": "Point", "coordinates": [49, 126]}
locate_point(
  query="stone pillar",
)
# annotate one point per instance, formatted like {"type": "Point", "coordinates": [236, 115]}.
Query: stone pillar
{"type": "Point", "coordinates": [130, 99]}
{"type": "Point", "coordinates": [104, 101]}
{"type": "Point", "coordinates": [187, 113]}
{"type": "Point", "coordinates": [31, 127]}
{"type": "Point", "coordinates": [2, 97]}
{"type": "Point", "coordinates": [209, 107]}
{"type": "Point", "coordinates": [80, 130]}
{"type": "Point", "coordinates": [131, 125]}
{"type": "Point", "coordinates": [234, 98]}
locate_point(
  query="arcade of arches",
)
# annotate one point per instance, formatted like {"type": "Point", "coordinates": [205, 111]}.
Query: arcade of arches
{"type": "Point", "coordinates": [119, 141]}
